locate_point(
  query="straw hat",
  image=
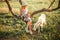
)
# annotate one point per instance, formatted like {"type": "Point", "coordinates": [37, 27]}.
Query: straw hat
{"type": "Point", "coordinates": [24, 3]}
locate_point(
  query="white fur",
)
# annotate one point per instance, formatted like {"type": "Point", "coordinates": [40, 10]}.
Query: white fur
{"type": "Point", "coordinates": [41, 22]}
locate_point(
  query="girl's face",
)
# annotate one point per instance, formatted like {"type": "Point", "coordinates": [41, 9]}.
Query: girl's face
{"type": "Point", "coordinates": [24, 7]}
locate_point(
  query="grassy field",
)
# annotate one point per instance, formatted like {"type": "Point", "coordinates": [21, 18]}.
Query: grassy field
{"type": "Point", "coordinates": [13, 29]}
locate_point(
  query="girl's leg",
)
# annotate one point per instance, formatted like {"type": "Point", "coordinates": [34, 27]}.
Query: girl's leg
{"type": "Point", "coordinates": [30, 26]}
{"type": "Point", "coordinates": [27, 28]}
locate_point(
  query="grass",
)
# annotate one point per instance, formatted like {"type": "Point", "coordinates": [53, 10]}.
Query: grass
{"type": "Point", "coordinates": [14, 29]}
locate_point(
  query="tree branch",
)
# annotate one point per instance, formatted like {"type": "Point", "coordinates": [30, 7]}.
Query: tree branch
{"type": "Point", "coordinates": [51, 4]}
{"type": "Point", "coordinates": [47, 10]}
{"type": "Point", "coordinates": [10, 9]}
{"type": "Point", "coordinates": [35, 12]}
{"type": "Point", "coordinates": [20, 2]}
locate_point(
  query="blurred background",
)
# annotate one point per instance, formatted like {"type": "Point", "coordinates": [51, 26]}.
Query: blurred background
{"type": "Point", "coordinates": [12, 28]}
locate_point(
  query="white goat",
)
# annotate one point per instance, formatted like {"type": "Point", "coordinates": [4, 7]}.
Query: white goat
{"type": "Point", "coordinates": [41, 21]}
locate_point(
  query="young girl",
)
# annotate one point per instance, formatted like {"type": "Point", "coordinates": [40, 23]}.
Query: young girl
{"type": "Point", "coordinates": [24, 14]}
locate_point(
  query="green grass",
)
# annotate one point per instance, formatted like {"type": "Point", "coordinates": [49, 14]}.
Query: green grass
{"type": "Point", "coordinates": [13, 29]}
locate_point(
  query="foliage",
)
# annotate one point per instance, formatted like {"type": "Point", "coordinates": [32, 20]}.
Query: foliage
{"type": "Point", "coordinates": [14, 29]}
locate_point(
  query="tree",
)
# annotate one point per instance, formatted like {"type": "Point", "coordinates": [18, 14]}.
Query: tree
{"type": "Point", "coordinates": [47, 10]}
{"type": "Point", "coordinates": [2, 0]}
{"type": "Point", "coordinates": [35, 12]}
{"type": "Point", "coordinates": [10, 9]}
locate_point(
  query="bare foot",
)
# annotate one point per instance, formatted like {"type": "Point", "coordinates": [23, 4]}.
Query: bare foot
{"type": "Point", "coordinates": [26, 30]}
{"type": "Point", "coordinates": [31, 32]}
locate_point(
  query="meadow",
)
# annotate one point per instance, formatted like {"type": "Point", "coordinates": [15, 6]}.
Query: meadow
{"type": "Point", "coordinates": [12, 28]}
